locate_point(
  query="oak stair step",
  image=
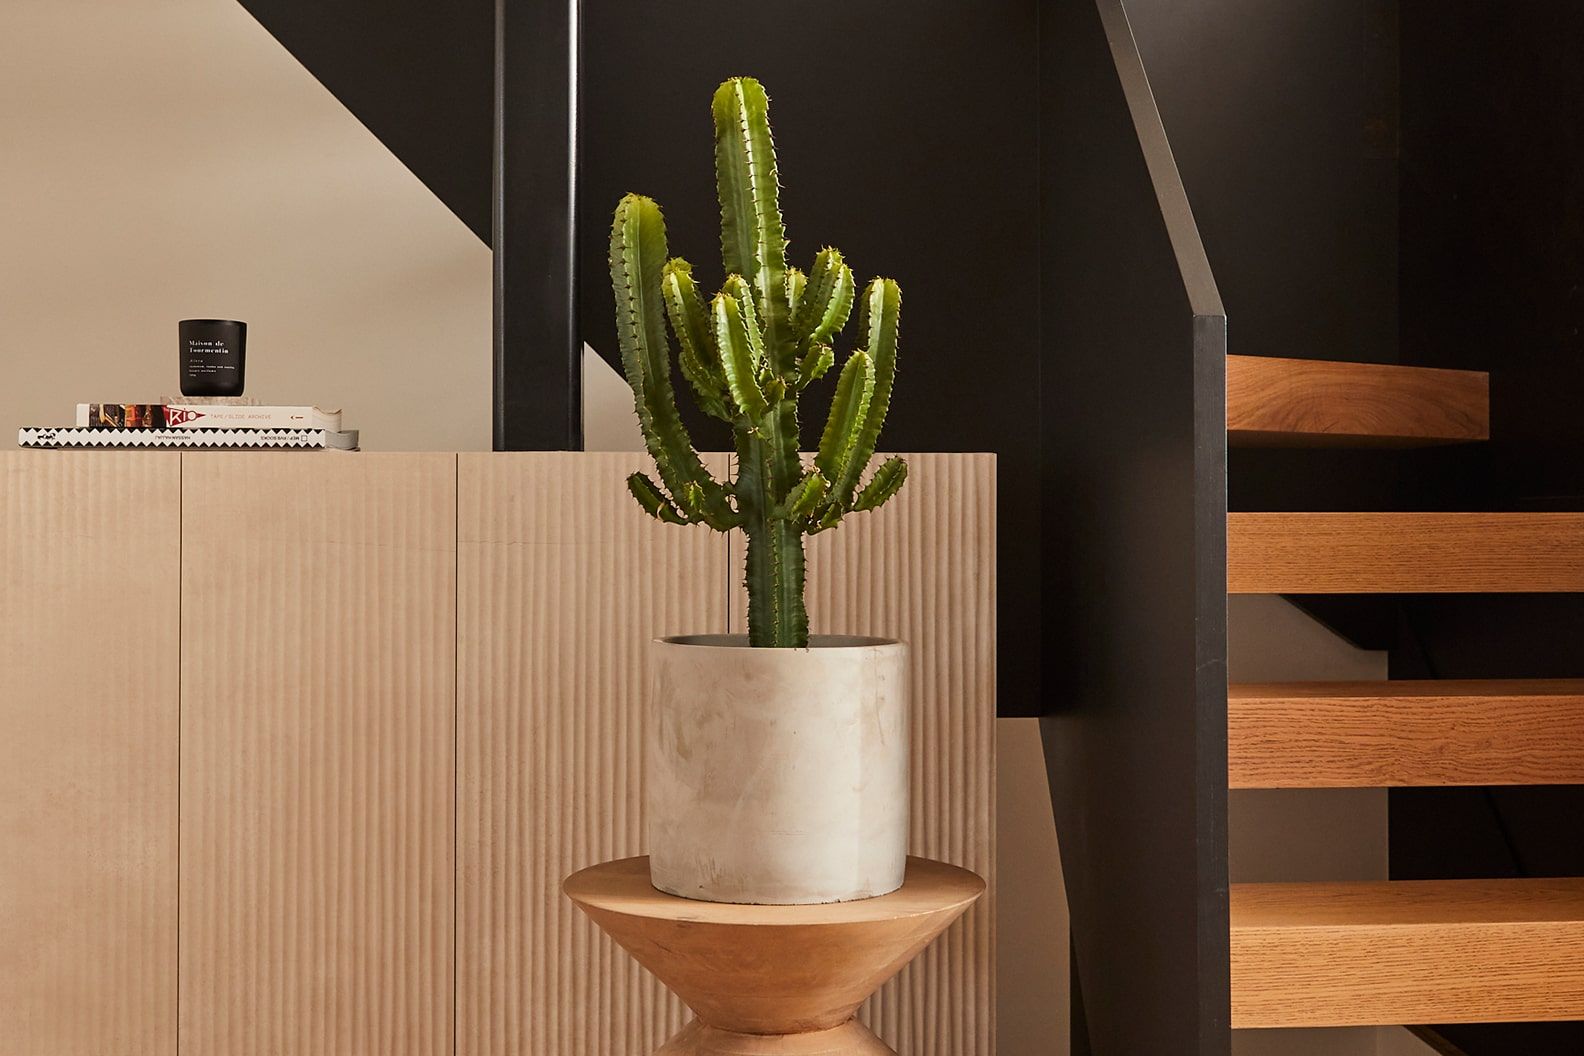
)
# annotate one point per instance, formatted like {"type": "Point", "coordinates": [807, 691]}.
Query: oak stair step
{"type": "Point", "coordinates": [1275, 402]}
{"type": "Point", "coordinates": [1399, 952]}
{"type": "Point", "coordinates": [1405, 733]}
{"type": "Point", "coordinates": [1404, 553]}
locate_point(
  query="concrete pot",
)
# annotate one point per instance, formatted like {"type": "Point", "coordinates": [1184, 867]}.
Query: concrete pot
{"type": "Point", "coordinates": [778, 776]}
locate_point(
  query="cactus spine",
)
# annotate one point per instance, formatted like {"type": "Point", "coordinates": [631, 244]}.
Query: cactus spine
{"type": "Point", "coordinates": [748, 353]}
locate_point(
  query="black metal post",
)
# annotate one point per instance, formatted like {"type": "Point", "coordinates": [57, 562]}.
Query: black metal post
{"type": "Point", "coordinates": [538, 392]}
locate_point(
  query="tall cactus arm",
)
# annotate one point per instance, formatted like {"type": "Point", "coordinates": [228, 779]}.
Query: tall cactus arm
{"type": "Point", "coordinates": [737, 358]}
{"type": "Point", "coordinates": [815, 362]}
{"type": "Point", "coordinates": [740, 291]}
{"type": "Point", "coordinates": [753, 245]}
{"type": "Point", "coordinates": [654, 503]}
{"type": "Point", "coordinates": [637, 254]}
{"type": "Point", "coordinates": [854, 389]}
{"type": "Point", "coordinates": [827, 301]}
{"type": "Point", "coordinates": [795, 283]}
{"type": "Point", "coordinates": [826, 518]}
{"type": "Point", "coordinates": [695, 337]}
{"type": "Point", "coordinates": [879, 318]}
{"type": "Point", "coordinates": [886, 482]}
{"type": "Point", "coordinates": [804, 497]}
{"type": "Point", "coordinates": [753, 238]}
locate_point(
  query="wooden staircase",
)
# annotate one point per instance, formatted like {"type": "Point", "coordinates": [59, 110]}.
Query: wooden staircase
{"type": "Point", "coordinates": [1398, 952]}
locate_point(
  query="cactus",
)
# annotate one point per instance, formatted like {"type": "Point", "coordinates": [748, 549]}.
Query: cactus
{"type": "Point", "coordinates": [748, 353]}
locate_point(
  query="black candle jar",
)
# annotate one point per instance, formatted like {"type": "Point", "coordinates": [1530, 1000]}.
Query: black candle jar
{"type": "Point", "coordinates": [213, 357]}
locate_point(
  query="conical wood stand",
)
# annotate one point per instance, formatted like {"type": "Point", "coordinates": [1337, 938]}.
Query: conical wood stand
{"type": "Point", "coordinates": [773, 980]}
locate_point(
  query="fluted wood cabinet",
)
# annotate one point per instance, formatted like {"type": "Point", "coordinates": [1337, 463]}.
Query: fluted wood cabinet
{"type": "Point", "coordinates": [295, 749]}
{"type": "Point", "coordinates": [89, 736]}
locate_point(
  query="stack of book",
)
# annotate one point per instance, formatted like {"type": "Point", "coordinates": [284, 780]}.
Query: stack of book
{"type": "Point", "coordinates": [196, 424]}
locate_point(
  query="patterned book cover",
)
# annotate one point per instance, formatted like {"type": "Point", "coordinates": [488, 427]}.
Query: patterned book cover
{"type": "Point", "coordinates": [189, 439]}
{"type": "Point", "coordinates": [203, 415]}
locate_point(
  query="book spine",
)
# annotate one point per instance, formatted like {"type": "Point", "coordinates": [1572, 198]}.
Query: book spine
{"type": "Point", "coordinates": [202, 416]}
{"type": "Point", "coordinates": [120, 416]}
{"type": "Point", "coordinates": [199, 416]}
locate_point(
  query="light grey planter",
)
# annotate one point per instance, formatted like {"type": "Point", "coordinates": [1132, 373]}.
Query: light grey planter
{"type": "Point", "coordinates": [778, 776]}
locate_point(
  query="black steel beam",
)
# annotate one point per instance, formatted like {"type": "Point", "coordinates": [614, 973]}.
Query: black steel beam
{"type": "Point", "coordinates": [538, 379]}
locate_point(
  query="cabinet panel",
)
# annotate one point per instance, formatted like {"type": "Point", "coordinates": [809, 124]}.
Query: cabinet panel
{"type": "Point", "coordinates": [90, 546]}
{"type": "Point", "coordinates": [318, 697]}
{"type": "Point", "coordinates": [563, 583]}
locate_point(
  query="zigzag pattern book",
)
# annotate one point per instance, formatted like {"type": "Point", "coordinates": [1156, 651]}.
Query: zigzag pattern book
{"type": "Point", "coordinates": [179, 439]}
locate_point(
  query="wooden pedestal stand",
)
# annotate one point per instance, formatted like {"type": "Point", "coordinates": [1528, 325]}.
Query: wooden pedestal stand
{"type": "Point", "coordinates": [773, 980]}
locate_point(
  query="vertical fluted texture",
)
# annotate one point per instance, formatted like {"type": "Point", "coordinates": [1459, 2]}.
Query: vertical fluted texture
{"type": "Point", "coordinates": [922, 570]}
{"type": "Point", "coordinates": [318, 696]}
{"type": "Point", "coordinates": [88, 718]}
{"type": "Point", "coordinates": [563, 584]}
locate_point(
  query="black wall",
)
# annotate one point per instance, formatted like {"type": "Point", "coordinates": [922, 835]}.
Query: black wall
{"type": "Point", "coordinates": [907, 137]}
{"type": "Point", "coordinates": [1282, 117]}
{"type": "Point", "coordinates": [1284, 121]}
{"type": "Point", "coordinates": [416, 73]}
{"type": "Point", "coordinates": [1493, 226]}
{"type": "Point", "coordinates": [1492, 201]}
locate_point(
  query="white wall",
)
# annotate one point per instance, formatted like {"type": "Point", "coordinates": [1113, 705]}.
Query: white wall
{"type": "Point", "coordinates": [164, 159]}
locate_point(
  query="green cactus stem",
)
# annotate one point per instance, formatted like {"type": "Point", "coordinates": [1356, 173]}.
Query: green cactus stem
{"type": "Point", "coordinates": [695, 338]}
{"type": "Point", "coordinates": [747, 354]}
{"type": "Point", "coordinates": [826, 302]}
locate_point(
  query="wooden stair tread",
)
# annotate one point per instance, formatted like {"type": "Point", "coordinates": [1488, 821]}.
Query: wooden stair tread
{"type": "Point", "coordinates": [1422, 951]}
{"type": "Point", "coordinates": [1365, 553]}
{"type": "Point", "coordinates": [1407, 903]}
{"type": "Point", "coordinates": [1405, 733]}
{"type": "Point", "coordinates": [1439, 688]}
{"type": "Point", "coordinates": [1292, 402]}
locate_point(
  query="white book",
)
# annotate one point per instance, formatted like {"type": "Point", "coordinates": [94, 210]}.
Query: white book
{"type": "Point", "coordinates": [189, 439]}
{"type": "Point", "coordinates": [218, 416]}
